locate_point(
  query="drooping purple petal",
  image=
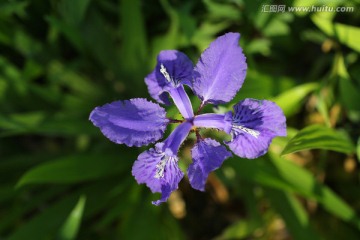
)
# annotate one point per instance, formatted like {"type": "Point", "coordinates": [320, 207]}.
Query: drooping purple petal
{"type": "Point", "coordinates": [134, 122]}
{"type": "Point", "coordinates": [208, 155]}
{"type": "Point", "coordinates": [213, 120]}
{"type": "Point", "coordinates": [255, 124]}
{"type": "Point", "coordinates": [158, 168]}
{"type": "Point", "coordinates": [159, 171]}
{"type": "Point", "coordinates": [145, 168]}
{"type": "Point", "coordinates": [170, 181]}
{"type": "Point", "coordinates": [221, 70]}
{"type": "Point", "coordinates": [176, 138]}
{"type": "Point", "coordinates": [173, 69]}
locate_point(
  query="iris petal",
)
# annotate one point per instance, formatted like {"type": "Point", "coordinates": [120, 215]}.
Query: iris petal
{"type": "Point", "coordinates": [255, 124]}
{"type": "Point", "coordinates": [158, 167]}
{"type": "Point", "coordinates": [173, 70]}
{"type": "Point", "coordinates": [208, 155]}
{"type": "Point", "coordinates": [221, 70]}
{"type": "Point", "coordinates": [134, 122]}
{"type": "Point", "coordinates": [155, 90]}
{"type": "Point", "coordinates": [146, 170]}
{"type": "Point", "coordinates": [213, 120]}
{"type": "Point", "coordinates": [182, 102]}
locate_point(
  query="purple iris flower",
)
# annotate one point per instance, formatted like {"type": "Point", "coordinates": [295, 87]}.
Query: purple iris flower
{"type": "Point", "coordinates": [215, 79]}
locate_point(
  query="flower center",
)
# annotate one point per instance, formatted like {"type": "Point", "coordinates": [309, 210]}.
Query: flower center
{"type": "Point", "coordinates": [237, 129]}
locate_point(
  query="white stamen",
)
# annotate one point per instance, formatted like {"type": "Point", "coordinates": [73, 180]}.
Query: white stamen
{"type": "Point", "coordinates": [165, 73]}
{"type": "Point", "coordinates": [250, 131]}
{"type": "Point", "coordinates": [160, 167]}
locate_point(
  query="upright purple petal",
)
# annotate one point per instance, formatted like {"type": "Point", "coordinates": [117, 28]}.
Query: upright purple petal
{"type": "Point", "coordinates": [208, 155]}
{"type": "Point", "coordinates": [155, 90]}
{"type": "Point", "coordinates": [134, 122]}
{"type": "Point", "coordinates": [255, 124]}
{"type": "Point", "coordinates": [173, 69]}
{"type": "Point", "coordinates": [221, 70]}
{"type": "Point", "coordinates": [158, 168]}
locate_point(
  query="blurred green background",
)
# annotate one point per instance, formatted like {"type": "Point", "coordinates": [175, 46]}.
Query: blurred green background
{"type": "Point", "coordinates": [62, 179]}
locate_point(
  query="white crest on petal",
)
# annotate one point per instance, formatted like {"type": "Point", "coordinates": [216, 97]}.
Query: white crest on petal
{"type": "Point", "coordinates": [165, 73]}
{"type": "Point", "coordinates": [160, 167]}
{"type": "Point", "coordinates": [237, 129]}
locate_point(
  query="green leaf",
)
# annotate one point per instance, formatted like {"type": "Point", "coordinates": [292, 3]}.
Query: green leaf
{"type": "Point", "coordinates": [304, 183]}
{"type": "Point", "coordinates": [245, 227]}
{"type": "Point", "coordinates": [239, 230]}
{"type": "Point", "coordinates": [285, 175]}
{"type": "Point", "coordinates": [75, 168]}
{"type": "Point", "coordinates": [73, 11]}
{"type": "Point", "coordinates": [70, 32]}
{"type": "Point", "coordinates": [293, 213]}
{"type": "Point", "coordinates": [37, 122]}
{"type": "Point", "coordinates": [222, 11]}
{"type": "Point", "coordinates": [346, 34]}
{"type": "Point", "coordinates": [8, 8]}
{"type": "Point", "coordinates": [170, 39]}
{"type": "Point", "coordinates": [319, 137]}
{"type": "Point", "coordinates": [72, 224]}
{"type": "Point", "coordinates": [349, 92]}
{"type": "Point", "coordinates": [292, 100]}
{"type": "Point", "coordinates": [358, 149]}
{"type": "Point", "coordinates": [134, 47]}
{"type": "Point", "coordinates": [45, 224]}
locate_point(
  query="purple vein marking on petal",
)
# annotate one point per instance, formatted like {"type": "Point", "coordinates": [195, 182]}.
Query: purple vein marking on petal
{"type": "Point", "coordinates": [159, 171]}
{"type": "Point", "coordinates": [255, 124]}
{"type": "Point", "coordinates": [173, 68]}
{"type": "Point", "coordinates": [169, 182]}
{"type": "Point", "coordinates": [207, 155]}
{"type": "Point", "coordinates": [221, 70]}
{"type": "Point", "coordinates": [134, 122]}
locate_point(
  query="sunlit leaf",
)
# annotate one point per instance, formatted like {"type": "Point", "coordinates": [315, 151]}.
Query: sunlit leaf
{"type": "Point", "coordinates": [221, 10]}
{"type": "Point", "coordinates": [291, 100]}
{"type": "Point", "coordinates": [304, 183]}
{"type": "Point", "coordinates": [349, 91]}
{"type": "Point", "coordinates": [284, 175]}
{"type": "Point", "coordinates": [72, 224]}
{"type": "Point", "coordinates": [239, 230]}
{"type": "Point", "coordinates": [319, 137]}
{"type": "Point", "coordinates": [346, 34]}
